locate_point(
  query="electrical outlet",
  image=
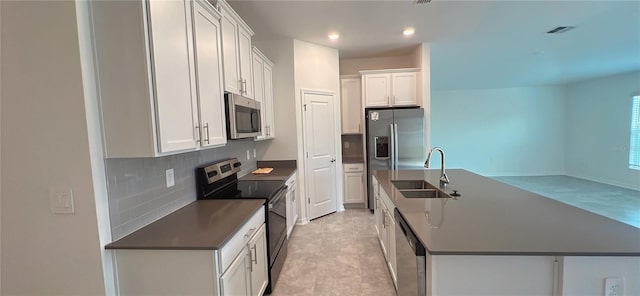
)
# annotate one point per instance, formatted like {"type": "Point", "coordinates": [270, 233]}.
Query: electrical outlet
{"type": "Point", "coordinates": [254, 153]}
{"type": "Point", "coordinates": [248, 154]}
{"type": "Point", "coordinates": [614, 286]}
{"type": "Point", "coordinates": [170, 178]}
{"type": "Point", "coordinates": [61, 201]}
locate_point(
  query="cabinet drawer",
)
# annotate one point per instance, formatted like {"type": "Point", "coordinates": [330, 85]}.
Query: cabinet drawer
{"type": "Point", "coordinates": [353, 167]}
{"type": "Point", "coordinates": [231, 249]}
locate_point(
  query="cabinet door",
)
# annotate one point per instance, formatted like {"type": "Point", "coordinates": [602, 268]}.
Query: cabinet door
{"type": "Point", "coordinates": [377, 213]}
{"type": "Point", "coordinates": [391, 246]}
{"type": "Point", "coordinates": [236, 280]}
{"type": "Point", "coordinates": [230, 54]}
{"type": "Point", "coordinates": [209, 76]}
{"type": "Point", "coordinates": [259, 264]}
{"type": "Point", "coordinates": [351, 106]}
{"type": "Point", "coordinates": [353, 187]}
{"type": "Point", "coordinates": [377, 89]}
{"type": "Point", "coordinates": [258, 87]}
{"type": "Point", "coordinates": [172, 59]}
{"type": "Point", "coordinates": [384, 233]}
{"type": "Point", "coordinates": [404, 89]}
{"type": "Point", "coordinates": [268, 101]}
{"type": "Point", "coordinates": [246, 60]}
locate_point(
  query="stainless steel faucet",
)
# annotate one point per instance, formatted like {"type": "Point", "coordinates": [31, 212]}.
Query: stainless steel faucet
{"type": "Point", "coordinates": [444, 180]}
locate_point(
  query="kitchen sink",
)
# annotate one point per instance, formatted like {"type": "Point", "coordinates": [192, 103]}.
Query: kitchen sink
{"type": "Point", "coordinates": [412, 184]}
{"type": "Point", "coordinates": [418, 189]}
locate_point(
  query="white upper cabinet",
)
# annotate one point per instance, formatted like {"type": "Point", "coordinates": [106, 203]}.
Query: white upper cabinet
{"type": "Point", "coordinates": [206, 32]}
{"type": "Point", "coordinates": [237, 51]}
{"type": "Point", "coordinates": [158, 65]}
{"type": "Point", "coordinates": [263, 92]}
{"type": "Point", "coordinates": [404, 89]}
{"type": "Point", "coordinates": [388, 88]}
{"type": "Point", "coordinates": [377, 89]}
{"type": "Point", "coordinates": [351, 98]}
{"type": "Point", "coordinates": [172, 55]}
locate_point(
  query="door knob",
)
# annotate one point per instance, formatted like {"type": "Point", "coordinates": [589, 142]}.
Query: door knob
{"type": "Point", "coordinates": [333, 160]}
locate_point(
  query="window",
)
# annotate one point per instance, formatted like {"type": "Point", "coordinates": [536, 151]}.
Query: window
{"type": "Point", "coordinates": [634, 143]}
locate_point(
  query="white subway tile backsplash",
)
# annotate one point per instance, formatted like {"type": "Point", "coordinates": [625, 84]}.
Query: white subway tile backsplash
{"type": "Point", "coordinates": [137, 189]}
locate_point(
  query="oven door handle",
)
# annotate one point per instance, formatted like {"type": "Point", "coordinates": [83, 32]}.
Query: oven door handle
{"type": "Point", "coordinates": [281, 193]}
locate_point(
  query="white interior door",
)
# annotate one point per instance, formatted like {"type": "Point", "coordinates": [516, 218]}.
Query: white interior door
{"type": "Point", "coordinates": [319, 145]}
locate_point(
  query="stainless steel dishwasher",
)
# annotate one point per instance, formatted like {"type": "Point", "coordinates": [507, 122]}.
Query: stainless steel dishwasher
{"type": "Point", "coordinates": [411, 260]}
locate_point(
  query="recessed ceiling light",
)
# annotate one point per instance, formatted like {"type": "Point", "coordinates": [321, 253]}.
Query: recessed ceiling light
{"type": "Point", "coordinates": [334, 36]}
{"type": "Point", "coordinates": [408, 31]}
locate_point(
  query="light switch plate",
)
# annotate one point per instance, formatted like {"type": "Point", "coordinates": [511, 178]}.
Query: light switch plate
{"type": "Point", "coordinates": [170, 178]}
{"type": "Point", "coordinates": [248, 154]}
{"type": "Point", "coordinates": [61, 201]}
{"type": "Point", "coordinates": [254, 153]}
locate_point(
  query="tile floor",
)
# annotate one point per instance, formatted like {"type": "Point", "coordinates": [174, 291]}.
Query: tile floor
{"type": "Point", "coordinates": [614, 202]}
{"type": "Point", "coordinates": [337, 254]}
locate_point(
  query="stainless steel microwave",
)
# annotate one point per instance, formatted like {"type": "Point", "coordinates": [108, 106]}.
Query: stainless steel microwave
{"type": "Point", "coordinates": [243, 117]}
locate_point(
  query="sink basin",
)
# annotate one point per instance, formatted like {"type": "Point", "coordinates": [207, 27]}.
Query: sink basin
{"type": "Point", "coordinates": [418, 189]}
{"type": "Point", "coordinates": [412, 184]}
{"type": "Point", "coordinates": [422, 193]}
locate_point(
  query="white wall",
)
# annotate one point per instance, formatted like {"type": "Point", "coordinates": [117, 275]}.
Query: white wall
{"type": "Point", "coordinates": [510, 131]}
{"type": "Point", "coordinates": [585, 276]}
{"type": "Point", "coordinates": [316, 67]}
{"type": "Point", "coordinates": [284, 146]}
{"type": "Point", "coordinates": [598, 126]}
{"type": "Point", "coordinates": [45, 145]}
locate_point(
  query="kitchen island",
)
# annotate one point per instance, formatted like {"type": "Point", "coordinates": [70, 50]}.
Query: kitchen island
{"type": "Point", "coordinates": [496, 239]}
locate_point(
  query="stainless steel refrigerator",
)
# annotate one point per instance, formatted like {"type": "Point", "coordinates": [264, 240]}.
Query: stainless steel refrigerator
{"type": "Point", "coordinates": [395, 141]}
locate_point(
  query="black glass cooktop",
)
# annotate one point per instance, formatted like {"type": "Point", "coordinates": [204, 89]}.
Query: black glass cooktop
{"type": "Point", "coordinates": [247, 189]}
{"type": "Point", "coordinates": [259, 188]}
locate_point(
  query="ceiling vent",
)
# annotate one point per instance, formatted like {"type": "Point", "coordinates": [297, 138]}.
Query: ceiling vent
{"type": "Point", "coordinates": [560, 29]}
{"type": "Point", "coordinates": [421, 1]}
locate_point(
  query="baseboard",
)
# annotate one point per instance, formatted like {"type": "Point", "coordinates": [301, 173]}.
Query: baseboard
{"type": "Point", "coordinates": [354, 206]}
{"type": "Point", "coordinates": [606, 181]}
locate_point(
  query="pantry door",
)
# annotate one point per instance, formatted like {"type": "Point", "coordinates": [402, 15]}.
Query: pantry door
{"type": "Point", "coordinates": [320, 152]}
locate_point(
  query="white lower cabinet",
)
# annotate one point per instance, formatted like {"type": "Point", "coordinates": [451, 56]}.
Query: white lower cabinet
{"type": "Point", "coordinates": [386, 227]}
{"type": "Point", "coordinates": [292, 204]}
{"type": "Point", "coordinates": [247, 274]}
{"type": "Point", "coordinates": [239, 268]}
{"type": "Point", "coordinates": [354, 183]}
{"type": "Point", "coordinates": [236, 280]}
{"type": "Point", "coordinates": [258, 262]}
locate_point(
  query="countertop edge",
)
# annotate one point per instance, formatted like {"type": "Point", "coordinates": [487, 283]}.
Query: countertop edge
{"type": "Point", "coordinates": [114, 246]}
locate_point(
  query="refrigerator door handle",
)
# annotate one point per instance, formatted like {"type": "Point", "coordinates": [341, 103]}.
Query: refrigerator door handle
{"type": "Point", "coordinates": [392, 145]}
{"type": "Point", "coordinates": [396, 148]}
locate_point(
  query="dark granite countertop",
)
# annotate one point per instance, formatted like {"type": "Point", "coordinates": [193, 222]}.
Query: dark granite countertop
{"type": "Point", "coordinates": [282, 170]}
{"type": "Point", "coordinates": [352, 159]}
{"type": "Point", "coordinates": [493, 218]}
{"type": "Point", "coordinates": [200, 225]}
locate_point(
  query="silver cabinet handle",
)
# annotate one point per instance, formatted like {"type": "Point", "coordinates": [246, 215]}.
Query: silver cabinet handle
{"type": "Point", "coordinates": [254, 254]}
{"type": "Point", "coordinates": [384, 219]}
{"type": "Point", "coordinates": [197, 134]}
{"type": "Point", "coordinates": [206, 126]}
{"type": "Point", "coordinates": [250, 264]}
{"type": "Point", "coordinates": [244, 86]}
{"type": "Point", "coordinates": [241, 86]}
